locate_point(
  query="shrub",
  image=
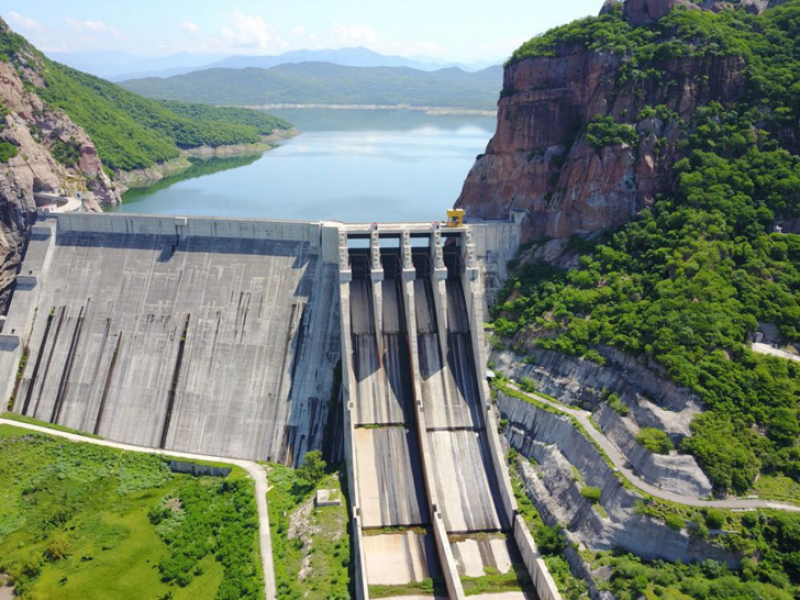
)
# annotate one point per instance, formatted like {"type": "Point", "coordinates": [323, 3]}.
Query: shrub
{"type": "Point", "coordinates": [655, 440]}
{"type": "Point", "coordinates": [674, 521]}
{"type": "Point", "coordinates": [715, 518]}
{"type": "Point", "coordinates": [592, 494]}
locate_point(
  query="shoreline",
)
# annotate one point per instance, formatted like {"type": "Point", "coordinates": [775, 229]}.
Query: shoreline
{"type": "Point", "coordinates": [142, 178]}
{"type": "Point", "coordinates": [436, 111]}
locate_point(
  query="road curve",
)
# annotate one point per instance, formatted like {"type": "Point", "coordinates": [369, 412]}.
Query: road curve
{"type": "Point", "coordinates": [254, 470]}
{"type": "Point", "coordinates": [622, 465]}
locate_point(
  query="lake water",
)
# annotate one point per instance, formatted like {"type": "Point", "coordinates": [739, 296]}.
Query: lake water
{"type": "Point", "coordinates": [353, 166]}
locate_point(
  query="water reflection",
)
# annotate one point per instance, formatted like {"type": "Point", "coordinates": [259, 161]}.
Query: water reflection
{"type": "Point", "coordinates": [346, 165]}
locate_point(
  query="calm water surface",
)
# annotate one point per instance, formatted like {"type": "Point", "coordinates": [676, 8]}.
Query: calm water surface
{"type": "Point", "coordinates": [351, 166]}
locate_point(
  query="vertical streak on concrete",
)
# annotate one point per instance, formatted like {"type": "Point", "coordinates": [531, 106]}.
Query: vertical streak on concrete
{"type": "Point", "coordinates": [107, 385]}
{"type": "Point", "coordinates": [173, 388]}
{"type": "Point", "coordinates": [455, 589]}
{"type": "Point", "coordinates": [348, 389]}
{"type": "Point", "coordinates": [63, 385]}
{"type": "Point", "coordinates": [43, 379]}
{"type": "Point", "coordinates": [37, 364]}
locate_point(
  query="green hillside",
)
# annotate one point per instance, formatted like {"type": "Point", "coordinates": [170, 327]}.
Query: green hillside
{"type": "Point", "coordinates": [688, 282]}
{"type": "Point", "coordinates": [326, 83]}
{"type": "Point", "coordinates": [131, 132]}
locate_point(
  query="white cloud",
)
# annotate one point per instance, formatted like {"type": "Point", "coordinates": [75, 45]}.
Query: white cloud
{"type": "Point", "coordinates": [354, 34]}
{"type": "Point", "coordinates": [94, 27]}
{"type": "Point", "coordinates": [189, 26]}
{"type": "Point", "coordinates": [299, 30]}
{"type": "Point", "coordinates": [251, 32]}
{"type": "Point", "coordinates": [25, 22]}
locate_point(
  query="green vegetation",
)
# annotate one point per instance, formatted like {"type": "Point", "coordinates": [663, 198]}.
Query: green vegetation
{"type": "Point", "coordinates": [263, 123]}
{"type": "Point", "coordinates": [426, 587]}
{"type": "Point", "coordinates": [7, 151]}
{"type": "Point", "coordinates": [634, 578]}
{"type": "Point", "coordinates": [67, 153]}
{"type": "Point", "coordinates": [687, 282]}
{"type": "Point", "coordinates": [551, 541]}
{"type": "Point", "coordinates": [655, 440]}
{"type": "Point", "coordinates": [83, 522]}
{"type": "Point", "coordinates": [495, 582]}
{"type": "Point", "coordinates": [311, 546]}
{"type": "Point", "coordinates": [605, 131]}
{"type": "Point", "coordinates": [130, 132]}
{"type": "Point", "coordinates": [326, 83]}
{"type": "Point", "coordinates": [614, 401]}
{"type": "Point", "coordinates": [200, 167]}
{"type": "Point", "coordinates": [11, 416]}
{"type": "Point", "coordinates": [592, 494]}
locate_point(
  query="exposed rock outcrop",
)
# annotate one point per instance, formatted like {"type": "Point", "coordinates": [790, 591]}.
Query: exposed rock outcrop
{"type": "Point", "coordinates": [653, 400]}
{"type": "Point", "coordinates": [673, 472]}
{"type": "Point", "coordinates": [557, 446]}
{"type": "Point", "coordinates": [540, 161]}
{"type": "Point", "coordinates": [35, 130]}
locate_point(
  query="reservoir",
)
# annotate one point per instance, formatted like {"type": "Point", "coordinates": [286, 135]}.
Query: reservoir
{"type": "Point", "coordinates": [346, 165]}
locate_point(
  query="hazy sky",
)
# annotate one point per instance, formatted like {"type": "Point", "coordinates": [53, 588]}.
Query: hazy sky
{"type": "Point", "coordinates": [462, 30]}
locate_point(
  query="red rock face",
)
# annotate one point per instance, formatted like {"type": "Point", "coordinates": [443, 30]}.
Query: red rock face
{"type": "Point", "coordinates": [539, 161]}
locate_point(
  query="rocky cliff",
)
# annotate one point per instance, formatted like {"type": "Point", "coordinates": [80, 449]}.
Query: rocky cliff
{"type": "Point", "coordinates": [544, 161]}
{"type": "Point", "coordinates": [33, 136]}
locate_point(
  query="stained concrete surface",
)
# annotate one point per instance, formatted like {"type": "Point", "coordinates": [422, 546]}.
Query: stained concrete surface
{"type": "Point", "coordinates": [399, 559]}
{"type": "Point", "coordinates": [389, 477]}
{"type": "Point", "coordinates": [445, 405]}
{"type": "Point", "coordinates": [383, 387]}
{"type": "Point", "coordinates": [215, 345]}
{"type": "Point", "coordinates": [464, 484]}
{"type": "Point", "coordinates": [474, 554]}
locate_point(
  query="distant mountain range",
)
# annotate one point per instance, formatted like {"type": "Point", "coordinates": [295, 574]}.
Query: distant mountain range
{"type": "Point", "coordinates": [328, 83]}
{"type": "Point", "coordinates": [118, 66]}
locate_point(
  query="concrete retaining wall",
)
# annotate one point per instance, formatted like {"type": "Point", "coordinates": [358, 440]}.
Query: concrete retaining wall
{"type": "Point", "coordinates": [360, 584]}
{"type": "Point", "coordinates": [534, 563]}
{"type": "Point", "coordinates": [177, 466]}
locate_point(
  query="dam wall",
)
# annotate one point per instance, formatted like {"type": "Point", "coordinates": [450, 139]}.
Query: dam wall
{"type": "Point", "coordinates": [215, 336]}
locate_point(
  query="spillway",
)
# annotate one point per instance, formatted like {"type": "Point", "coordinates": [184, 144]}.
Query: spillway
{"type": "Point", "coordinates": [413, 366]}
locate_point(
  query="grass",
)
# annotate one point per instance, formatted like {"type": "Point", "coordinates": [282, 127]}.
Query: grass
{"type": "Point", "coordinates": [76, 523]}
{"type": "Point", "coordinates": [494, 582]}
{"type": "Point", "coordinates": [311, 546]}
{"type": "Point", "coordinates": [31, 421]}
{"type": "Point", "coordinates": [778, 487]}
{"type": "Point", "coordinates": [426, 587]}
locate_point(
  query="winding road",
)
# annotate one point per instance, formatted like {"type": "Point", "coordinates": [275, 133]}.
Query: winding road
{"type": "Point", "coordinates": [622, 465]}
{"type": "Point", "coordinates": [254, 470]}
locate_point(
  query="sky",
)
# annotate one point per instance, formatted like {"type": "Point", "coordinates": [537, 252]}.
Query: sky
{"type": "Point", "coordinates": [452, 30]}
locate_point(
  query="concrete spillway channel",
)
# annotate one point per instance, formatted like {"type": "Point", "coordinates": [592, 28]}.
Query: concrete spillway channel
{"type": "Point", "coordinates": [421, 455]}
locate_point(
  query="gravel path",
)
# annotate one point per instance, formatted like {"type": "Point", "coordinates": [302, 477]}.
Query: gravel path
{"type": "Point", "coordinates": [623, 466]}
{"type": "Point", "coordinates": [253, 469]}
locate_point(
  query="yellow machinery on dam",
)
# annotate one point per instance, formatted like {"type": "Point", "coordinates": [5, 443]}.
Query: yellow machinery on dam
{"type": "Point", "coordinates": [223, 336]}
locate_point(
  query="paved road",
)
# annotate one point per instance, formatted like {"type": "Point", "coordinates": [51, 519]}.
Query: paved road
{"type": "Point", "coordinates": [255, 471]}
{"type": "Point", "coordinates": [622, 465]}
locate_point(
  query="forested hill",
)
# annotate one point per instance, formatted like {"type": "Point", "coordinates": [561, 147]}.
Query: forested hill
{"type": "Point", "coordinates": [129, 131]}
{"type": "Point", "coordinates": [668, 175]}
{"type": "Point", "coordinates": [327, 83]}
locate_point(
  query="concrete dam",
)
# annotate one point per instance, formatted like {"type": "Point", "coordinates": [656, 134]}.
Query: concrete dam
{"type": "Point", "coordinates": [265, 340]}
